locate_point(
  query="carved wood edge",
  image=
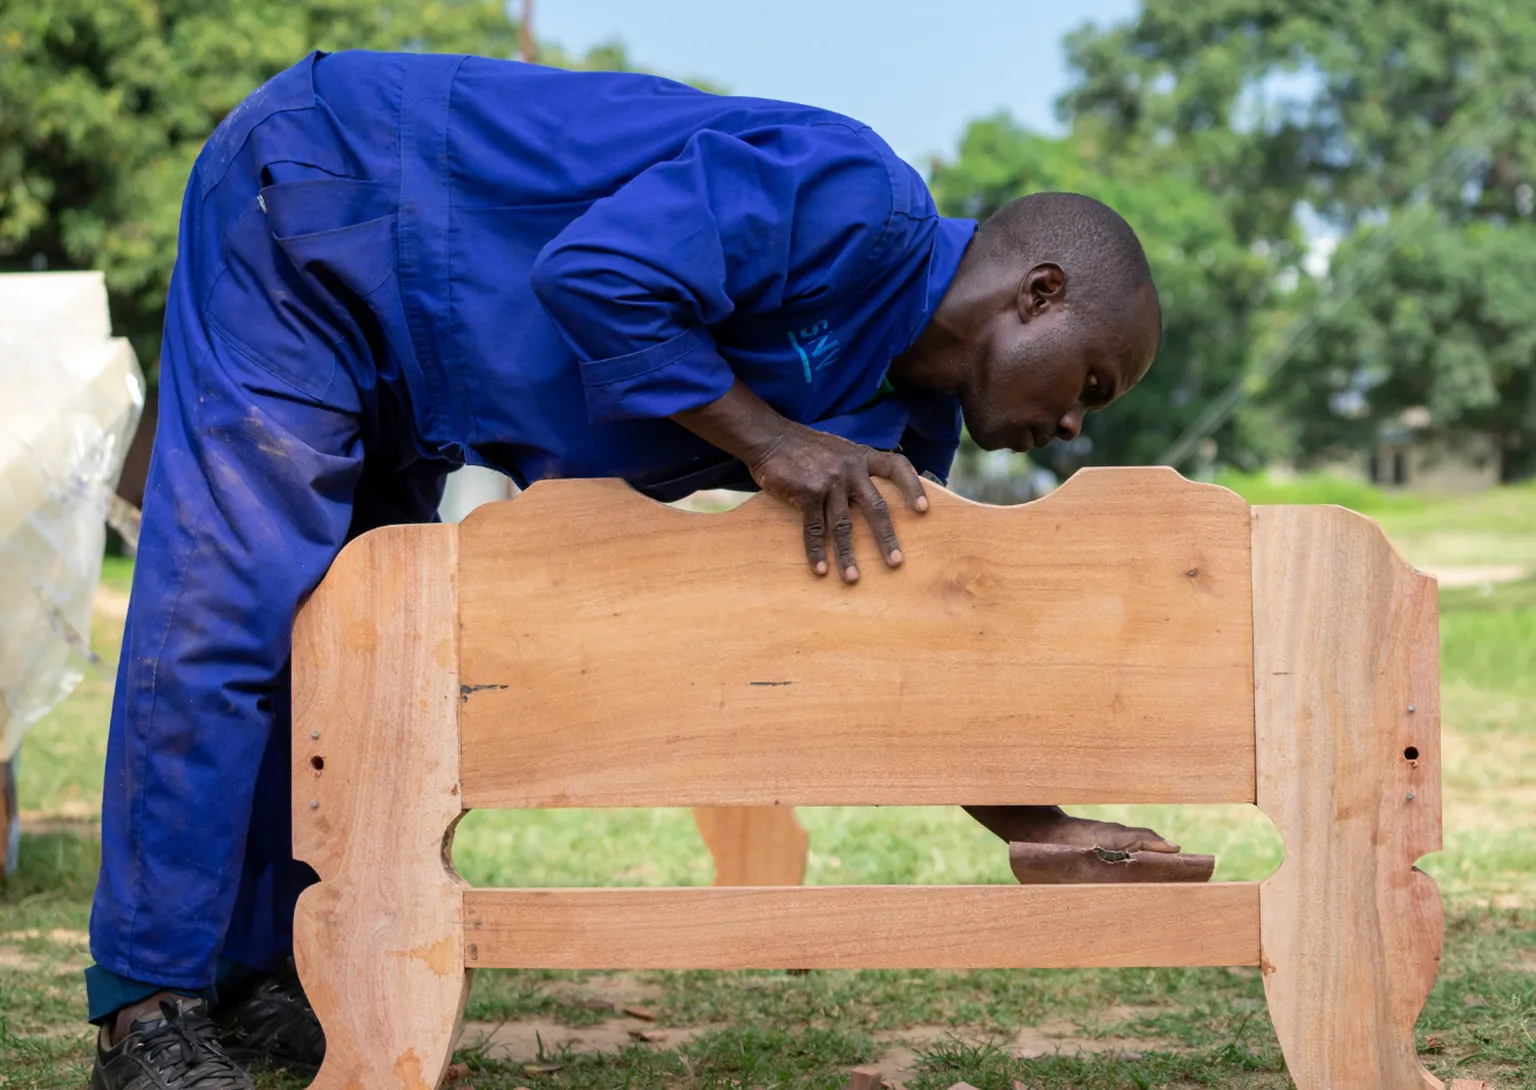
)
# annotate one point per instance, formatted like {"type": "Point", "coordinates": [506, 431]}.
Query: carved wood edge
{"type": "Point", "coordinates": [1347, 722]}
{"type": "Point", "coordinates": [379, 941]}
{"type": "Point", "coordinates": [1085, 484]}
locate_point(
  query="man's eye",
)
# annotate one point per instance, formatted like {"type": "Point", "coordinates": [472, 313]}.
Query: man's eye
{"type": "Point", "coordinates": [1093, 384]}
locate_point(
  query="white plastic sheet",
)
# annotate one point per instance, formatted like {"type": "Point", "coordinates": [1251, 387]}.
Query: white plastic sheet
{"type": "Point", "coordinates": [70, 399]}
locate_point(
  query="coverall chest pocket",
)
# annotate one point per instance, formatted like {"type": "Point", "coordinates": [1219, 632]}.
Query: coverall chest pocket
{"type": "Point", "coordinates": [300, 268]}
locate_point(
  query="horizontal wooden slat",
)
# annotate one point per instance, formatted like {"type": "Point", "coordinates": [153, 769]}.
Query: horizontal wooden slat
{"type": "Point", "coordinates": [1095, 646]}
{"type": "Point", "coordinates": [853, 927]}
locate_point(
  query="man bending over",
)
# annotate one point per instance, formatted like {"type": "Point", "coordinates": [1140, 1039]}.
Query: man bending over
{"type": "Point", "coordinates": [392, 265]}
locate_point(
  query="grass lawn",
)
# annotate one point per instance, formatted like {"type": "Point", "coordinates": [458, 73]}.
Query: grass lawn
{"type": "Point", "coordinates": [1044, 1029]}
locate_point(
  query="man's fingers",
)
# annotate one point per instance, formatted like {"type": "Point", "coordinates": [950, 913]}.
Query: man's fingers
{"type": "Point", "coordinates": [895, 467]}
{"type": "Point", "coordinates": [841, 520]}
{"type": "Point", "coordinates": [814, 525]}
{"type": "Point", "coordinates": [1151, 842]}
{"type": "Point", "coordinates": [879, 516]}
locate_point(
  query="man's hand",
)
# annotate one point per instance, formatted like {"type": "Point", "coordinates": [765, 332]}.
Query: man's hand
{"type": "Point", "coordinates": [825, 477]}
{"type": "Point", "coordinates": [822, 475]}
{"type": "Point", "coordinates": [1053, 825]}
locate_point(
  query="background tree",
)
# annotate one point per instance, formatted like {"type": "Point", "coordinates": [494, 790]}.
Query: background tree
{"type": "Point", "coordinates": [1407, 126]}
{"type": "Point", "coordinates": [1445, 322]}
{"type": "Point", "coordinates": [104, 107]}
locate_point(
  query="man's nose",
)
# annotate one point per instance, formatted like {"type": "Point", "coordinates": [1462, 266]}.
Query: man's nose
{"type": "Point", "coordinates": [1068, 427]}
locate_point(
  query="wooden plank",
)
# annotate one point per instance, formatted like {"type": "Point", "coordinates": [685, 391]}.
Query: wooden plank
{"type": "Point", "coordinates": [1346, 651]}
{"type": "Point", "coordinates": [1094, 646]}
{"type": "Point", "coordinates": [380, 941]}
{"type": "Point", "coordinates": [852, 927]}
{"type": "Point", "coordinates": [753, 845]}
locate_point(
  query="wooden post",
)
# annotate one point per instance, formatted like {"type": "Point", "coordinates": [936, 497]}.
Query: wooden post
{"type": "Point", "coordinates": [753, 845]}
{"type": "Point", "coordinates": [380, 941]}
{"type": "Point", "coordinates": [10, 818]}
{"type": "Point", "coordinates": [1347, 727]}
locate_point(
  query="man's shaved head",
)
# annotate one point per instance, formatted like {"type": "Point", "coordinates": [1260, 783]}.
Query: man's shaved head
{"type": "Point", "coordinates": [1080, 234]}
{"type": "Point", "coordinates": [1052, 314]}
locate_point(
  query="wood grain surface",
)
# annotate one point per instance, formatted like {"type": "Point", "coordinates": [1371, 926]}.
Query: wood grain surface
{"type": "Point", "coordinates": [1346, 652]}
{"type": "Point", "coordinates": [380, 941]}
{"type": "Point", "coordinates": [1094, 646]}
{"type": "Point", "coordinates": [851, 927]}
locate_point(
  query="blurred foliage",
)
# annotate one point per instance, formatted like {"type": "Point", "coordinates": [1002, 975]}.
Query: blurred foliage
{"type": "Point", "coordinates": [1409, 121]}
{"type": "Point", "coordinates": [1443, 320]}
{"type": "Point", "coordinates": [104, 106]}
{"type": "Point", "coordinates": [1347, 104]}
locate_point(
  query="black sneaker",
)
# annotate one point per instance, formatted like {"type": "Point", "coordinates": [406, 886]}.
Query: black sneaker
{"type": "Point", "coordinates": [271, 1024]}
{"type": "Point", "coordinates": [178, 1048]}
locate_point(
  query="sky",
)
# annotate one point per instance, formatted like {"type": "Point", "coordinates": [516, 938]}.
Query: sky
{"type": "Point", "coordinates": [916, 72]}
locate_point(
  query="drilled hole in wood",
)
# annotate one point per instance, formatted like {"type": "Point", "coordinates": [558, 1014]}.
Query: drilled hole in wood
{"type": "Point", "coordinates": [317, 763]}
{"type": "Point", "coordinates": [1412, 753]}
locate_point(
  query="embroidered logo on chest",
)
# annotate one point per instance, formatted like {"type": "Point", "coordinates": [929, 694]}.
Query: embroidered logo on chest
{"type": "Point", "coordinates": [816, 345]}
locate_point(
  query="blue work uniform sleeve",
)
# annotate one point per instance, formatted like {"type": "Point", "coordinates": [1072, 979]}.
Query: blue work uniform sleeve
{"type": "Point", "coordinates": [744, 223]}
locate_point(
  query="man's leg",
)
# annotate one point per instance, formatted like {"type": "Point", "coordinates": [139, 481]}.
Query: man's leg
{"type": "Point", "coordinates": [249, 499]}
{"type": "Point", "coordinates": [260, 935]}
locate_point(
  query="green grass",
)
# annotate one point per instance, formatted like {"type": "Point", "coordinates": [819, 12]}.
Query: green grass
{"type": "Point", "coordinates": [1494, 527]}
{"type": "Point", "coordinates": [1188, 1028]}
{"type": "Point", "coordinates": [1261, 488]}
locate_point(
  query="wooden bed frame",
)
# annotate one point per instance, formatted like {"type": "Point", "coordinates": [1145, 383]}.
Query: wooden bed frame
{"type": "Point", "coordinates": [1132, 638]}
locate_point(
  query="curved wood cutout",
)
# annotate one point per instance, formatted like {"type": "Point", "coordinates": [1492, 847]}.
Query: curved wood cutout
{"type": "Point", "coordinates": [1346, 652]}
{"type": "Point", "coordinates": [618, 652]}
{"type": "Point", "coordinates": [380, 941]}
{"type": "Point", "coordinates": [754, 845]}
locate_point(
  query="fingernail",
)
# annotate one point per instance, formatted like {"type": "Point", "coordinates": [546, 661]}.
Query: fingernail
{"type": "Point", "coordinates": [821, 567]}
{"type": "Point", "coordinates": [895, 557]}
{"type": "Point", "coordinates": [922, 503]}
{"type": "Point", "coordinates": [852, 574]}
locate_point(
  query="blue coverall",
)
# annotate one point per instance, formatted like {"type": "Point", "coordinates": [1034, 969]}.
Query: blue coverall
{"type": "Point", "coordinates": [390, 265]}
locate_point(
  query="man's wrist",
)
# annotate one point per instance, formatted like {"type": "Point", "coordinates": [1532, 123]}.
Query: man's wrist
{"type": "Point", "coordinates": [739, 423]}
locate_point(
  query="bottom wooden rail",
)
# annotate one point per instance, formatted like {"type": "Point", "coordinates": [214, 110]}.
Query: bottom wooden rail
{"type": "Point", "coordinates": [852, 927]}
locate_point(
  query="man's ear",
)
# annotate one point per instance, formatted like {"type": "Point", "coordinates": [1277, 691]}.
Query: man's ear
{"type": "Point", "coordinates": [1043, 287]}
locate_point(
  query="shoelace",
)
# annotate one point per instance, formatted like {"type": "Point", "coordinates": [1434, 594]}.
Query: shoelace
{"type": "Point", "coordinates": [190, 1031]}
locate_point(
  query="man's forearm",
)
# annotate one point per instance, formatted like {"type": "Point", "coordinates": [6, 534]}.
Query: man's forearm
{"type": "Point", "coordinates": [739, 423]}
